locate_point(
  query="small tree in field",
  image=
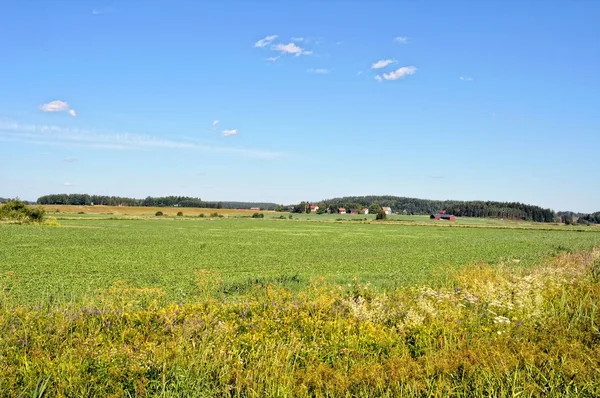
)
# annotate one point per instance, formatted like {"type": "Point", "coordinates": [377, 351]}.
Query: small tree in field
{"type": "Point", "coordinates": [158, 213]}
{"type": "Point", "coordinates": [381, 215]}
{"type": "Point", "coordinates": [179, 213]}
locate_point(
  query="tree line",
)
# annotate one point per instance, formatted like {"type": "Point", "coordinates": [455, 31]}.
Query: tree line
{"type": "Point", "coordinates": [414, 206]}
{"type": "Point", "coordinates": [150, 201]}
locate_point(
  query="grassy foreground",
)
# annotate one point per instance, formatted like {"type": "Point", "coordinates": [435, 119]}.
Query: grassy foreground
{"type": "Point", "coordinates": [498, 331]}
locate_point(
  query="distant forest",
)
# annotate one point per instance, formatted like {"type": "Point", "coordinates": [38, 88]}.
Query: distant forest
{"type": "Point", "coordinates": [402, 205]}
{"type": "Point", "coordinates": [165, 201]}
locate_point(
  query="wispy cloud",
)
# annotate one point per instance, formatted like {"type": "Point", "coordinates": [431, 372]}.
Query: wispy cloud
{"type": "Point", "coordinates": [400, 73]}
{"type": "Point", "coordinates": [360, 72]}
{"type": "Point", "coordinates": [297, 39]}
{"type": "Point", "coordinates": [378, 78]}
{"type": "Point", "coordinates": [381, 63]}
{"type": "Point", "coordinates": [58, 106]}
{"type": "Point", "coordinates": [401, 39]}
{"type": "Point", "coordinates": [70, 160]}
{"type": "Point", "coordinates": [466, 79]}
{"type": "Point", "coordinates": [215, 123]}
{"type": "Point", "coordinates": [227, 133]}
{"type": "Point", "coordinates": [291, 48]}
{"type": "Point", "coordinates": [69, 184]}
{"type": "Point", "coordinates": [48, 135]}
{"type": "Point", "coordinates": [265, 42]}
{"type": "Point", "coordinates": [273, 59]}
{"type": "Point", "coordinates": [319, 71]}
{"type": "Point", "coordinates": [437, 176]}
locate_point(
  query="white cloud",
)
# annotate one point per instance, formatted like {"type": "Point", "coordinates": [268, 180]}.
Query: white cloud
{"type": "Point", "coordinates": [401, 39]}
{"type": "Point", "coordinates": [297, 38]}
{"type": "Point", "coordinates": [265, 42]}
{"type": "Point", "coordinates": [359, 73]}
{"type": "Point", "coordinates": [378, 78]}
{"type": "Point", "coordinates": [70, 160]}
{"type": "Point", "coordinates": [319, 71]}
{"type": "Point", "coordinates": [215, 123]}
{"type": "Point", "coordinates": [69, 184]}
{"type": "Point", "coordinates": [57, 106]}
{"type": "Point", "coordinates": [227, 133]}
{"type": "Point", "coordinates": [400, 73]}
{"type": "Point", "coordinates": [48, 135]}
{"type": "Point", "coordinates": [291, 48]}
{"type": "Point", "coordinates": [381, 63]}
{"type": "Point", "coordinates": [273, 59]}
{"type": "Point", "coordinates": [466, 79]}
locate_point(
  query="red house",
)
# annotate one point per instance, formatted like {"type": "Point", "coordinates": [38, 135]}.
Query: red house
{"type": "Point", "coordinates": [442, 216]}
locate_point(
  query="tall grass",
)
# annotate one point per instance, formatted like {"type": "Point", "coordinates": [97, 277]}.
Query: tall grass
{"type": "Point", "coordinates": [493, 331]}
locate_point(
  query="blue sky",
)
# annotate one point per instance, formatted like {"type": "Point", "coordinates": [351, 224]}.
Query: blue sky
{"type": "Point", "coordinates": [440, 100]}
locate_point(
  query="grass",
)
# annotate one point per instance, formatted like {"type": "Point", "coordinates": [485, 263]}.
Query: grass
{"type": "Point", "coordinates": [73, 261]}
{"type": "Point", "coordinates": [497, 331]}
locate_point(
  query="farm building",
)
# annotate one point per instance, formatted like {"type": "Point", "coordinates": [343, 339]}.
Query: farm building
{"type": "Point", "coordinates": [255, 208]}
{"type": "Point", "coordinates": [443, 216]}
{"type": "Point", "coordinates": [365, 211]}
{"type": "Point", "coordinates": [353, 211]}
{"type": "Point", "coordinates": [387, 210]}
{"type": "Point", "coordinates": [342, 210]}
{"type": "Point", "coordinates": [313, 208]}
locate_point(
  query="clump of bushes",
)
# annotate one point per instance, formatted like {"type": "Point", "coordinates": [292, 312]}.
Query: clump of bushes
{"type": "Point", "coordinates": [215, 214]}
{"type": "Point", "coordinates": [381, 215]}
{"type": "Point", "coordinates": [159, 214]}
{"type": "Point", "coordinates": [179, 213]}
{"type": "Point", "coordinates": [201, 215]}
{"type": "Point", "coordinates": [81, 212]}
{"type": "Point", "coordinates": [258, 215]}
{"type": "Point", "coordinates": [18, 212]}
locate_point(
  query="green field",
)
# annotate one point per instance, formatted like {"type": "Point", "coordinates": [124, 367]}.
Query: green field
{"type": "Point", "coordinates": [135, 305]}
{"type": "Point", "coordinates": [83, 255]}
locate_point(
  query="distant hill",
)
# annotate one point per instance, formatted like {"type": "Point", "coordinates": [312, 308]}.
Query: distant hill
{"type": "Point", "coordinates": [403, 205]}
{"type": "Point", "coordinates": [163, 201]}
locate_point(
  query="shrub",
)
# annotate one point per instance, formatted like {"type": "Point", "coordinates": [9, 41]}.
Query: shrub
{"type": "Point", "coordinates": [17, 211]}
{"type": "Point", "coordinates": [258, 215]}
{"type": "Point", "coordinates": [81, 212]}
{"type": "Point", "coordinates": [290, 217]}
{"type": "Point", "coordinates": [158, 213]}
{"type": "Point", "coordinates": [201, 215]}
{"type": "Point", "coordinates": [215, 214]}
{"type": "Point", "coordinates": [179, 213]}
{"type": "Point", "coordinates": [381, 215]}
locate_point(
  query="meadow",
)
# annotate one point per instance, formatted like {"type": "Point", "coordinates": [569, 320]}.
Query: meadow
{"type": "Point", "coordinates": [70, 262]}
{"type": "Point", "coordinates": [137, 305]}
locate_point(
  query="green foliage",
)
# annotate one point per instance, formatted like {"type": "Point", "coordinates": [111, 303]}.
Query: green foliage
{"type": "Point", "coordinates": [381, 215]}
{"type": "Point", "coordinates": [179, 213]}
{"type": "Point", "coordinates": [215, 214]}
{"type": "Point", "coordinates": [258, 215]}
{"type": "Point", "coordinates": [19, 212]}
{"type": "Point", "coordinates": [386, 255]}
{"type": "Point", "coordinates": [496, 332]}
{"type": "Point", "coordinates": [201, 215]}
{"type": "Point", "coordinates": [159, 214]}
{"type": "Point", "coordinates": [487, 209]}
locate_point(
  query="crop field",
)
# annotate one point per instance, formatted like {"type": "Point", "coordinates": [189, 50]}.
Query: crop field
{"type": "Point", "coordinates": [74, 260]}
{"type": "Point", "coordinates": [137, 305]}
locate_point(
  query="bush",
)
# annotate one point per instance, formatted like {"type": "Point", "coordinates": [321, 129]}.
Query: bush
{"type": "Point", "coordinates": [381, 215]}
{"type": "Point", "coordinates": [290, 216]}
{"type": "Point", "coordinates": [201, 215]}
{"type": "Point", "coordinates": [179, 213]}
{"type": "Point", "coordinates": [81, 212]}
{"type": "Point", "coordinates": [17, 211]}
{"type": "Point", "coordinates": [215, 214]}
{"type": "Point", "coordinates": [158, 213]}
{"type": "Point", "coordinates": [258, 215]}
